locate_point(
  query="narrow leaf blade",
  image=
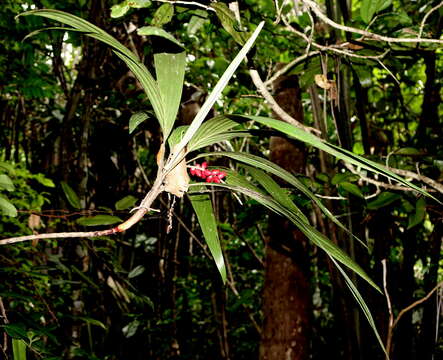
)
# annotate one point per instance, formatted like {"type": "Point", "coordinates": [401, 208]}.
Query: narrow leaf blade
{"type": "Point", "coordinates": [205, 214]}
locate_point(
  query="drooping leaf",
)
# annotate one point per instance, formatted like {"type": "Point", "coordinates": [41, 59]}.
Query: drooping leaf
{"type": "Point", "coordinates": [384, 199]}
{"type": "Point", "coordinates": [70, 195]}
{"type": "Point", "coordinates": [361, 302]}
{"type": "Point", "coordinates": [6, 183]}
{"type": "Point", "coordinates": [136, 119]}
{"type": "Point", "coordinates": [281, 196]}
{"type": "Point", "coordinates": [91, 321]}
{"type": "Point", "coordinates": [98, 220]}
{"type": "Point", "coordinates": [205, 214]}
{"type": "Point", "coordinates": [163, 15]}
{"type": "Point", "coordinates": [125, 203]}
{"type": "Point", "coordinates": [7, 167]}
{"type": "Point", "coordinates": [132, 61]}
{"type": "Point", "coordinates": [332, 149]}
{"type": "Point", "coordinates": [310, 232]}
{"type": "Point", "coordinates": [274, 169]}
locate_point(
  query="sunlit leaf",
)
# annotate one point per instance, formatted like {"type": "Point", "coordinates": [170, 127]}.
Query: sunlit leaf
{"type": "Point", "coordinates": [6, 183]}
{"type": "Point", "coordinates": [370, 7]}
{"type": "Point", "coordinates": [229, 22]}
{"type": "Point", "coordinates": [163, 15]}
{"type": "Point", "coordinates": [119, 10]}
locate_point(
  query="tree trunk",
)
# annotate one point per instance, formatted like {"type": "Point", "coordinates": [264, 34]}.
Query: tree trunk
{"type": "Point", "coordinates": [286, 298]}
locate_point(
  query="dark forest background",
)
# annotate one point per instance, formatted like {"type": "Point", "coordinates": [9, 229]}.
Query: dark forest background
{"type": "Point", "coordinates": [65, 105]}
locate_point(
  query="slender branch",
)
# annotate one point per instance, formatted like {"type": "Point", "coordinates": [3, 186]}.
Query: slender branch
{"type": "Point", "coordinates": [391, 314]}
{"type": "Point", "coordinates": [416, 303]}
{"type": "Point", "coordinates": [289, 66]}
{"type": "Point", "coordinates": [334, 48]}
{"type": "Point", "coordinates": [145, 205]}
{"type": "Point", "coordinates": [274, 106]}
{"type": "Point", "coordinates": [372, 36]}
{"type": "Point", "coordinates": [436, 186]}
{"type": "Point", "coordinates": [425, 18]}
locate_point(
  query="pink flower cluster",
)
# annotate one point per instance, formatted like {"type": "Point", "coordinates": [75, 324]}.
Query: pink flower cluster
{"type": "Point", "coordinates": [211, 176]}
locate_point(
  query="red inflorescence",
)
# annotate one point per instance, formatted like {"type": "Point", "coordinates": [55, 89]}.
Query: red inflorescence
{"type": "Point", "coordinates": [211, 176]}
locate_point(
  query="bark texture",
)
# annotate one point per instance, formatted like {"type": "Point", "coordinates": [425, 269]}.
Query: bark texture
{"type": "Point", "coordinates": [286, 298]}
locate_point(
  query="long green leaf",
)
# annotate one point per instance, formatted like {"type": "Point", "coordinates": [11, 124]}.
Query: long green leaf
{"type": "Point", "coordinates": [131, 59]}
{"type": "Point", "coordinates": [311, 233]}
{"type": "Point", "coordinates": [276, 192]}
{"type": "Point", "coordinates": [205, 214]}
{"type": "Point", "coordinates": [274, 169]}
{"type": "Point", "coordinates": [212, 98]}
{"type": "Point", "coordinates": [361, 302]}
{"type": "Point", "coordinates": [334, 150]}
{"type": "Point", "coordinates": [212, 131]}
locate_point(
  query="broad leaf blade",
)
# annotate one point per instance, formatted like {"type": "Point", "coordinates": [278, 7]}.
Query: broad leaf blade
{"type": "Point", "coordinates": [170, 70]}
{"type": "Point", "coordinates": [205, 215]}
{"type": "Point", "coordinates": [6, 208]}
{"type": "Point", "coordinates": [18, 349]}
{"type": "Point", "coordinates": [136, 119]}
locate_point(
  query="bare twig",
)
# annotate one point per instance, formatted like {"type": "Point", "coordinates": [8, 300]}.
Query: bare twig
{"type": "Point", "coordinates": [391, 314]}
{"type": "Point", "coordinates": [5, 321]}
{"type": "Point", "coordinates": [416, 303]}
{"type": "Point", "coordinates": [372, 36]}
{"type": "Point", "coordinates": [334, 48]}
{"type": "Point", "coordinates": [425, 18]}
{"type": "Point", "coordinates": [274, 106]}
{"type": "Point", "coordinates": [436, 186]}
{"type": "Point", "coordinates": [394, 322]}
{"type": "Point", "coordinates": [289, 66]}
